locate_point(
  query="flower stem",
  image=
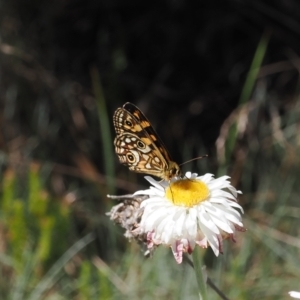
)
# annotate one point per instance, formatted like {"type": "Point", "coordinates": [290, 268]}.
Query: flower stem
{"type": "Point", "coordinates": [199, 274]}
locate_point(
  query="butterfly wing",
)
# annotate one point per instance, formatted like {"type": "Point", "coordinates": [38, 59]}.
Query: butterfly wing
{"type": "Point", "coordinates": [149, 131]}
{"type": "Point", "coordinates": [138, 146]}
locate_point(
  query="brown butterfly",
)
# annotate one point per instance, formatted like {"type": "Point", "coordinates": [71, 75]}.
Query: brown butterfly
{"type": "Point", "coordinates": [139, 147]}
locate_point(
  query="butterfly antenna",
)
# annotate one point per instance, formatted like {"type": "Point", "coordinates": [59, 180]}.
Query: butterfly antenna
{"type": "Point", "coordinates": [199, 157]}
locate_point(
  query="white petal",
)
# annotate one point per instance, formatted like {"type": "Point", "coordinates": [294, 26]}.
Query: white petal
{"type": "Point", "coordinates": [180, 217]}
{"type": "Point", "coordinates": [205, 219]}
{"type": "Point", "coordinates": [295, 294]}
{"type": "Point", "coordinates": [206, 178]}
{"type": "Point", "coordinates": [157, 184]}
{"type": "Point", "coordinates": [212, 239]}
{"type": "Point", "coordinates": [188, 174]}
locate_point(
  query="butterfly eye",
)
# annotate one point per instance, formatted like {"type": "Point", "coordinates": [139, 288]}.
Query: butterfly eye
{"type": "Point", "coordinates": [141, 145]}
{"type": "Point", "coordinates": [174, 171]}
{"type": "Point", "coordinates": [130, 157]}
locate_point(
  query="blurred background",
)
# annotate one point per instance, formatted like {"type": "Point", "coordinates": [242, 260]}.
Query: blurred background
{"type": "Point", "coordinates": [218, 78]}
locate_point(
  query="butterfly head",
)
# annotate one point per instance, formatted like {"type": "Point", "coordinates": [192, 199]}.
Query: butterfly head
{"type": "Point", "coordinates": [173, 171]}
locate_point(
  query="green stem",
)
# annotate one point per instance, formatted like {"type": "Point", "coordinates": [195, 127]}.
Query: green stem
{"type": "Point", "coordinates": [199, 274]}
{"type": "Point", "coordinates": [106, 137]}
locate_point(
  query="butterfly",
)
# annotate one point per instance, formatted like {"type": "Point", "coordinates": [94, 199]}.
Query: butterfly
{"type": "Point", "coordinates": [139, 147]}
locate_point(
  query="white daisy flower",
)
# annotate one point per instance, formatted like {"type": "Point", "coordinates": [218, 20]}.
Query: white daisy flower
{"type": "Point", "coordinates": [190, 211]}
{"type": "Point", "coordinates": [295, 294]}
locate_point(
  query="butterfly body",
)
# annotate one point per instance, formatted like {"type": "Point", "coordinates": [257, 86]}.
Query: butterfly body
{"type": "Point", "coordinates": [139, 147]}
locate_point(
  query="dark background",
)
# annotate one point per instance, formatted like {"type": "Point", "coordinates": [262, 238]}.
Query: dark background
{"type": "Point", "coordinates": [183, 63]}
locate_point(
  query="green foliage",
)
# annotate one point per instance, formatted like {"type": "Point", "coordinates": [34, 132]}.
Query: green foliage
{"type": "Point", "coordinates": [268, 163]}
{"type": "Point", "coordinates": [107, 141]}
{"type": "Point", "coordinates": [33, 220]}
{"type": "Point", "coordinates": [246, 92]}
{"type": "Point", "coordinates": [34, 227]}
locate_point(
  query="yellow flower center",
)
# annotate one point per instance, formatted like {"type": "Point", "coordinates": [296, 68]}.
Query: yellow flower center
{"type": "Point", "coordinates": [187, 192]}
